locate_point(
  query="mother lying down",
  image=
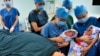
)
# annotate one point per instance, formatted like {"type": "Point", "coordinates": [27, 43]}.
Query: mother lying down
{"type": "Point", "coordinates": [30, 44]}
{"type": "Point", "coordinates": [26, 44]}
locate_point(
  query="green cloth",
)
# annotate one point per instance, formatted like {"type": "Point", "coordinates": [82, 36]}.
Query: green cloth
{"type": "Point", "coordinates": [70, 21]}
{"type": "Point", "coordinates": [25, 44]}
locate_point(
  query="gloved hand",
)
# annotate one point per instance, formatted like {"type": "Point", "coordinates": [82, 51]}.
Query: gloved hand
{"type": "Point", "coordinates": [11, 29]}
{"type": "Point", "coordinates": [6, 28]}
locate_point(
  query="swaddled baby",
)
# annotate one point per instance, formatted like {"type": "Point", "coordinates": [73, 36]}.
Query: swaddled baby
{"type": "Point", "coordinates": [65, 37]}
{"type": "Point", "coordinates": [69, 34]}
{"type": "Point", "coordinates": [92, 31]}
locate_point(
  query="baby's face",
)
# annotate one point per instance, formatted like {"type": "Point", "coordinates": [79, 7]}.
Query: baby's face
{"type": "Point", "coordinates": [70, 33]}
{"type": "Point", "coordinates": [88, 32]}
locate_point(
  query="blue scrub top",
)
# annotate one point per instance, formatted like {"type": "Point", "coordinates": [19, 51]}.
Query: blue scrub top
{"type": "Point", "coordinates": [98, 23]}
{"type": "Point", "coordinates": [9, 17]}
{"type": "Point", "coordinates": [50, 30]}
{"type": "Point", "coordinates": [80, 27]}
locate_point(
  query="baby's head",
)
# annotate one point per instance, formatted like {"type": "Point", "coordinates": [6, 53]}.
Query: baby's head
{"type": "Point", "coordinates": [71, 33]}
{"type": "Point", "coordinates": [89, 31]}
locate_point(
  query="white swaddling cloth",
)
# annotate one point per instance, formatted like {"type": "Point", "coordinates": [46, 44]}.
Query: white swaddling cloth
{"type": "Point", "coordinates": [68, 38]}
{"type": "Point", "coordinates": [77, 48]}
{"type": "Point", "coordinates": [95, 31]}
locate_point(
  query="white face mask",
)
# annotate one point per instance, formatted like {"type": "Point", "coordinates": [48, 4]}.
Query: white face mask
{"type": "Point", "coordinates": [60, 23]}
{"type": "Point", "coordinates": [8, 3]}
{"type": "Point", "coordinates": [41, 8]}
{"type": "Point", "coordinates": [70, 10]}
{"type": "Point", "coordinates": [83, 20]}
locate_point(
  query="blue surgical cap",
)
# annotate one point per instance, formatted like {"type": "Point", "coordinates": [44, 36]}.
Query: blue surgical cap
{"type": "Point", "coordinates": [67, 3]}
{"type": "Point", "coordinates": [62, 12]}
{"type": "Point", "coordinates": [79, 10]}
{"type": "Point", "coordinates": [37, 1]}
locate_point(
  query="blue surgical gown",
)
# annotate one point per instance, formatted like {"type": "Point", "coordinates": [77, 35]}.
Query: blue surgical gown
{"type": "Point", "coordinates": [50, 30]}
{"type": "Point", "coordinates": [9, 17]}
{"type": "Point", "coordinates": [82, 27]}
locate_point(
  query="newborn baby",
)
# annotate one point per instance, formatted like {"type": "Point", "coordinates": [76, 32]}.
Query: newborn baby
{"type": "Point", "coordinates": [66, 36]}
{"type": "Point", "coordinates": [92, 31]}
{"type": "Point", "coordinates": [69, 34]}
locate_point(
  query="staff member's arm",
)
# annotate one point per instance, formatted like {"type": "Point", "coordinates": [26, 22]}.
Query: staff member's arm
{"type": "Point", "coordinates": [33, 22]}
{"type": "Point", "coordinates": [35, 27]}
{"type": "Point", "coordinates": [16, 21]}
{"type": "Point", "coordinates": [3, 24]}
{"type": "Point", "coordinates": [14, 25]}
{"type": "Point", "coordinates": [60, 40]}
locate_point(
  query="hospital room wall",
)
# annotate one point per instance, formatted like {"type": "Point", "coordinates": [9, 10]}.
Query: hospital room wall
{"type": "Point", "coordinates": [25, 6]}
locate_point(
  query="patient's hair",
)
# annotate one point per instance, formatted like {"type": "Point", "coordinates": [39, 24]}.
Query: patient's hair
{"type": "Point", "coordinates": [99, 19]}
{"type": "Point", "coordinates": [53, 18]}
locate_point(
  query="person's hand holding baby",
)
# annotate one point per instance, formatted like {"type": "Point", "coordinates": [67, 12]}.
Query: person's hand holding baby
{"type": "Point", "coordinates": [64, 44]}
{"type": "Point", "coordinates": [86, 38]}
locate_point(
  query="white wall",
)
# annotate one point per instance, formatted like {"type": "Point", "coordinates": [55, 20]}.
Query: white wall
{"type": "Point", "coordinates": [24, 7]}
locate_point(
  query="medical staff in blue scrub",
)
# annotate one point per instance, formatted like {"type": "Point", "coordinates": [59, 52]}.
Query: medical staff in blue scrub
{"type": "Point", "coordinates": [98, 45]}
{"type": "Point", "coordinates": [57, 26]}
{"type": "Point", "coordinates": [68, 4]}
{"type": "Point", "coordinates": [38, 17]}
{"type": "Point", "coordinates": [9, 17]}
{"type": "Point", "coordinates": [83, 23]}
{"type": "Point", "coordinates": [98, 23]}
